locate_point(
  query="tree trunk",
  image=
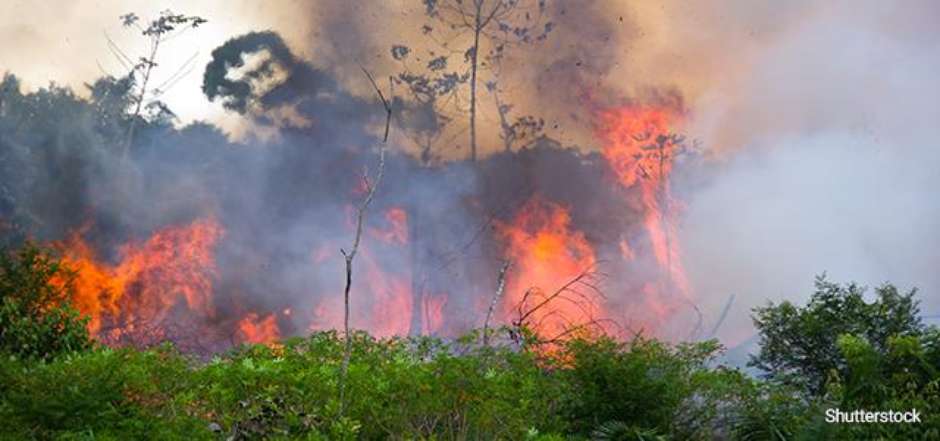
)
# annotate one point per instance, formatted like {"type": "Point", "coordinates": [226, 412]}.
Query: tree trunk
{"type": "Point", "coordinates": [417, 271]}
{"type": "Point", "coordinates": [140, 98]}
{"type": "Point", "coordinates": [473, 80]}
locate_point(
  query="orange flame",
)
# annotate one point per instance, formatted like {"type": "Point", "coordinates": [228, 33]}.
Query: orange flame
{"type": "Point", "coordinates": [381, 301]}
{"type": "Point", "coordinates": [175, 265]}
{"type": "Point", "coordinates": [641, 150]}
{"type": "Point", "coordinates": [257, 330]}
{"type": "Point", "coordinates": [546, 254]}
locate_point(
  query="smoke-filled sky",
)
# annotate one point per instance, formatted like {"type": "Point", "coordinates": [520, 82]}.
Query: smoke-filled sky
{"type": "Point", "coordinates": [819, 119]}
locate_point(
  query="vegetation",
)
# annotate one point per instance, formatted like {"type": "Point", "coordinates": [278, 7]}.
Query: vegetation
{"type": "Point", "coordinates": [839, 351]}
{"type": "Point", "coordinates": [36, 320]}
{"type": "Point", "coordinates": [55, 383]}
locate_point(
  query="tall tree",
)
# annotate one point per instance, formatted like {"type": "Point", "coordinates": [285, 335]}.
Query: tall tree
{"type": "Point", "coordinates": [159, 30]}
{"type": "Point", "coordinates": [494, 26]}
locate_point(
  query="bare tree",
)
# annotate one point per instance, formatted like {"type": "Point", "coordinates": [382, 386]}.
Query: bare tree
{"type": "Point", "coordinates": [161, 29]}
{"type": "Point", "coordinates": [660, 152]}
{"type": "Point", "coordinates": [493, 24]}
{"type": "Point", "coordinates": [371, 187]}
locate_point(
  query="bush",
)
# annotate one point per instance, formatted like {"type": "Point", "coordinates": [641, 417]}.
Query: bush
{"type": "Point", "coordinates": [798, 345]}
{"type": "Point", "coordinates": [642, 386]}
{"type": "Point", "coordinates": [100, 394]}
{"type": "Point", "coordinates": [431, 389]}
{"type": "Point", "coordinates": [36, 320]}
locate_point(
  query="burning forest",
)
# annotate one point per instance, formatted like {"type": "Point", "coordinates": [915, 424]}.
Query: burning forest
{"type": "Point", "coordinates": [487, 219]}
{"type": "Point", "coordinates": [580, 258]}
{"type": "Point", "coordinates": [207, 242]}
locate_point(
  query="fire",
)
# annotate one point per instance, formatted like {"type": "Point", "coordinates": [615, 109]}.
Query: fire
{"type": "Point", "coordinates": [388, 293]}
{"type": "Point", "coordinates": [254, 329]}
{"type": "Point", "coordinates": [381, 299]}
{"type": "Point", "coordinates": [396, 231]}
{"type": "Point", "coordinates": [641, 150]}
{"type": "Point", "coordinates": [546, 254]}
{"type": "Point", "coordinates": [433, 313]}
{"type": "Point", "coordinates": [174, 267]}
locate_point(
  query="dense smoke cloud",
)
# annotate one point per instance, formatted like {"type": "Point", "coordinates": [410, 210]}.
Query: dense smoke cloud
{"type": "Point", "coordinates": [833, 125]}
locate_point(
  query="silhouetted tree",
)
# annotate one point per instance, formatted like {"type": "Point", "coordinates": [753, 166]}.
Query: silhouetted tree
{"type": "Point", "coordinates": [494, 25]}
{"type": "Point", "coordinates": [159, 30]}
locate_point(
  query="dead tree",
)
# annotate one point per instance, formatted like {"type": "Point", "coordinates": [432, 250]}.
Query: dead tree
{"type": "Point", "coordinates": [168, 25]}
{"type": "Point", "coordinates": [348, 256]}
{"type": "Point", "coordinates": [500, 287]}
{"type": "Point", "coordinates": [493, 24]}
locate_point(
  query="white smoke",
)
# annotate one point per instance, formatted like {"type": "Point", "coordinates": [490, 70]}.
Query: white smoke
{"type": "Point", "coordinates": [835, 164]}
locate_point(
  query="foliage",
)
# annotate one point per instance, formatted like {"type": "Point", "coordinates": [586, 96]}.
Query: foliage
{"type": "Point", "coordinates": [429, 388]}
{"type": "Point", "coordinates": [36, 319]}
{"type": "Point", "coordinates": [417, 388]}
{"type": "Point", "coordinates": [100, 394]}
{"type": "Point", "coordinates": [798, 345]}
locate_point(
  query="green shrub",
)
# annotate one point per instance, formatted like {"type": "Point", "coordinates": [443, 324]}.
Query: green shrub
{"type": "Point", "coordinates": [101, 394]}
{"type": "Point", "coordinates": [36, 320]}
{"type": "Point", "coordinates": [643, 385]}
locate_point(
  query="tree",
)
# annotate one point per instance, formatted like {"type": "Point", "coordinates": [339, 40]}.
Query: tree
{"type": "Point", "coordinates": [348, 257]}
{"type": "Point", "coordinates": [166, 26]}
{"type": "Point", "coordinates": [800, 345]}
{"type": "Point", "coordinates": [526, 128]}
{"type": "Point", "coordinates": [425, 118]}
{"type": "Point", "coordinates": [494, 26]}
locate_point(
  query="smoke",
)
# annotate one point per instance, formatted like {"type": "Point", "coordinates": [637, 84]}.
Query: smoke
{"type": "Point", "coordinates": [825, 141]}
{"type": "Point", "coordinates": [818, 123]}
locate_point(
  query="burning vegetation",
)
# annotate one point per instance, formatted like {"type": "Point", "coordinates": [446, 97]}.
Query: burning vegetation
{"type": "Point", "coordinates": [484, 236]}
{"type": "Point", "coordinates": [169, 285]}
{"type": "Point", "coordinates": [184, 235]}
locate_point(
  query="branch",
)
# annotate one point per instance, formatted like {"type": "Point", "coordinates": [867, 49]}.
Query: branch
{"type": "Point", "coordinates": [587, 272]}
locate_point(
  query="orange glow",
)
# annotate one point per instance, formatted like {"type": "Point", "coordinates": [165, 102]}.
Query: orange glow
{"type": "Point", "coordinates": [381, 298]}
{"type": "Point", "coordinates": [254, 329]}
{"type": "Point", "coordinates": [434, 313]}
{"type": "Point", "coordinates": [546, 253]}
{"type": "Point", "coordinates": [641, 150]}
{"type": "Point", "coordinates": [174, 266]}
{"type": "Point", "coordinates": [389, 295]}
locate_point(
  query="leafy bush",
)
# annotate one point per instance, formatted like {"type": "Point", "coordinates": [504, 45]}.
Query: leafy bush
{"type": "Point", "coordinates": [642, 386]}
{"type": "Point", "coordinates": [798, 345]}
{"type": "Point", "coordinates": [100, 394]}
{"type": "Point", "coordinates": [36, 320]}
